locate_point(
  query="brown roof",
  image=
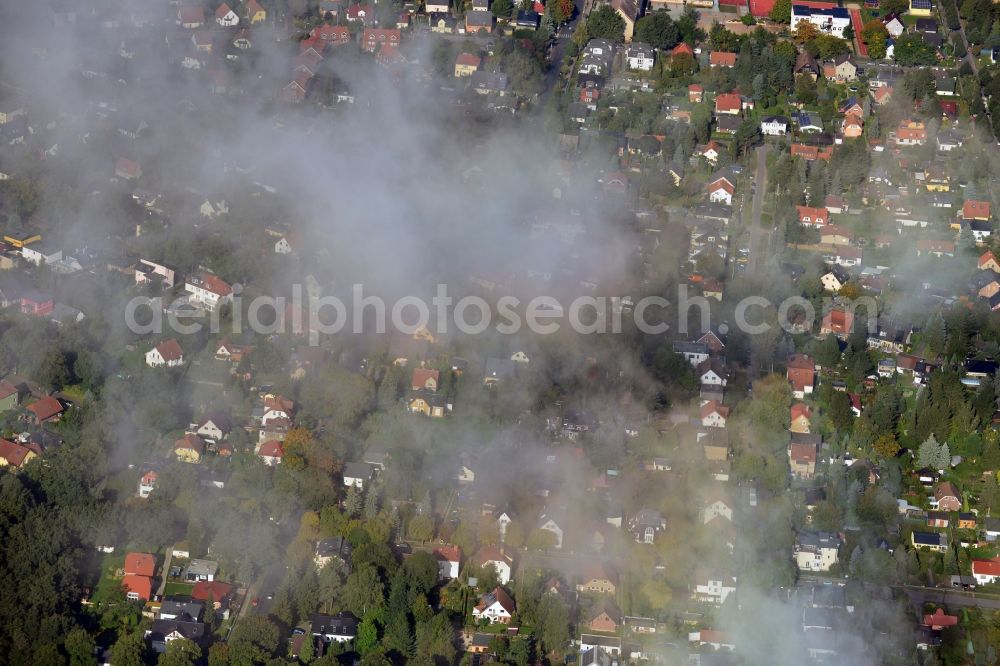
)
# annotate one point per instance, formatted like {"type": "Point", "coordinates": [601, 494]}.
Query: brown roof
{"type": "Point", "coordinates": [498, 594]}
{"type": "Point", "coordinates": [468, 59]}
{"type": "Point", "coordinates": [170, 350]}
{"type": "Point", "coordinates": [946, 489]}
{"type": "Point", "coordinates": [13, 452]}
{"type": "Point", "coordinates": [722, 59]}
{"type": "Point", "coordinates": [802, 452]}
{"type": "Point", "coordinates": [140, 564]}
{"type": "Point", "coordinates": [714, 406]}
{"type": "Point", "coordinates": [190, 441]}
{"type": "Point", "coordinates": [45, 408]}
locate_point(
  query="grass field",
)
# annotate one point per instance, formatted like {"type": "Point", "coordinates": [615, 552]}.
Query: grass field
{"type": "Point", "coordinates": [178, 588]}
{"type": "Point", "coordinates": [108, 582]}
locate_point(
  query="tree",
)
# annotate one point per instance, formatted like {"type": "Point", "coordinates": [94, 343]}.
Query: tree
{"type": "Point", "coordinates": [180, 652]}
{"type": "Point", "coordinates": [308, 650]}
{"type": "Point", "coordinates": [805, 89]}
{"type": "Point", "coordinates": [658, 30]}
{"type": "Point", "coordinates": [781, 11]}
{"type": "Point", "coordinates": [554, 632]}
{"type": "Point", "coordinates": [353, 502]}
{"type": "Point", "coordinates": [296, 443]}
{"type": "Point", "coordinates": [129, 650]}
{"type": "Point", "coordinates": [747, 136]}
{"type": "Point", "coordinates": [421, 527]}
{"type": "Point", "coordinates": [503, 8]}
{"type": "Point", "coordinates": [605, 23]}
{"type": "Point", "coordinates": [54, 372]}
{"type": "Point", "coordinates": [561, 10]}
{"type": "Point", "coordinates": [886, 446]}
{"type": "Point", "coordinates": [848, 32]}
{"type": "Point", "coordinates": [364, 590]}
{"type": "Point", "coordinates": [367, 636]}
{"type": "Point", "coordinates": [933, 455]}
{"type": "Point", "coordinates": [828, 352]}
{"type": "Point", "coordinates": [805, 32]}
{"type": "Point", "coordinates": [80, 648]}
{"type": "Point", "coordinates": [911, 50]}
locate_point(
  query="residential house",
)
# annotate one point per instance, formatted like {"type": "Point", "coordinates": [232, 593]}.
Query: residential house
{"type": "Point", "coordinates": [271, 452]}
{"type": "Point", "coordinates": [339, 628]}
{"type": "Point", "coordinates": [147, 271]}
{"type": "Point", "coordinates": [714, 414]}
{"type": "Point", "coordinates": [357, 474]}
{"type": "Point", "coordinates": [937, 248]}
{"type": "Point", "coordinates": [894, 25]}
{"type": "Point", "coordinates": [332, 549]}
{"type": "Point", "coordinates": [208, 290]}
{"type": "Point", "coordinates": [986, 572]}
{"type": "Point", "coordinates": [147, 483]}
{"type": "Point", "coordinates": [495, 606]}
{"type": "Point", "coordinates": [496, 557]}
{"type": "Point", "coordinates": [598, 579]}
{"type": "Point", "coordinates": [974, 209]}
{"type": "Point", "coordinates": [712, 372]}
{"type": "Point", "coordinates": [835, 279]}
{"type": "Point", "coordinates": [833, 234]}
{"type": "Point", "coordinates": [46, 409]}
{"type": "Point", "coordinates": [449, 559]}
{"type": "Point", "coordinates": [728, 103]}
{"type": "Point", "coordinates": [693, 352]}
{"type": "Point", "coordinates": [467, 64]}
{"type": "Point", "coordinates": [629, 11]}
{"type": "Point", "coordinates": [14, 455]}
{"type": "Point", "coordinates": [197, 570]}
{"type": "Point", "coordinates": [645, 525]}
{"type": "Point", "coordinates": [166, 354]}
{"type": "Point", "coordinates": [128, 169]}
{"type": "Point", "coordinates": [256, 12]}
{"type": "Point", "coordinates": [801, 417]}
{"type": "Point", "coordinates": [374, 38]}
{"type": "Point", "coordinates": [805, 64]}
{"type": "Point", "coordinates": [696, 93]}
{"type": "Point", "coordinates": [987, 261]}
{"type": "Point", "coordinates": [189, 448]}
{"type": "Point", "coordinates": [803, 451]}
{"type": "Point", "coordinates": [604, 616]}
{"type": "Point", "coordinates": [844, 68]}
{"type": "Point", "coordinates": [816, 551]}
{"type": "Point", "coordinates": [947, 497]}
{"type": "Point", "coordinates": [191, 17]}
{"type": "Point", "coordinates": [139, 570]}
{"type": "Point", "coordinates": [910, 133]}
{"type": "Point", "coordinates": [935, 541]}
{"type": "Point", "coordinates": [939, 519]}
{"type": "Point", "coordinates": [801, 373]}
{"type": "Point", "coordinates": [721, 190]}
{"type": "Point", "coordinates": [811, 216]}
{"type": "Point", "coordinates": [479, 20]}
{"type": "Point", "coordinates": [713, 587]}
{"type": "Point", "coordinates": [828, 19]}
{"type": "Point", "coordinates": [162, 632]}
{"type": "Point", "coordinates": [774, 125]}
{"type": "Point", "coordinates": [722, 59]}
{"type": "Point", "coordinates": [838, 321]}
{"type": "Point", "coordinates": [640, 56]}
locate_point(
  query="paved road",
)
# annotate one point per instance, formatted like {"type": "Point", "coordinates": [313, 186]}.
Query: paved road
{"type": "Point", "coordinates": [921, 595]}
{"type": "Point", "coordinates": [757, 207]}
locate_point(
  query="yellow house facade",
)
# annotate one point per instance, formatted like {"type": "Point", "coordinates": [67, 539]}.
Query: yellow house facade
{"type": "Point", "coordinates": [921, 7]}
{"type": "Point", "coordinates": [255, 12]}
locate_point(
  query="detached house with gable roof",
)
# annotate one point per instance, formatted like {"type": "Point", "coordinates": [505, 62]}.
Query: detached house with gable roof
{"type": "Point", "coordinates": [208, 290]}
{"type": "Point", "coordinates": [166, 354]}
{"type": "Point", "coordinates": [495, 606]}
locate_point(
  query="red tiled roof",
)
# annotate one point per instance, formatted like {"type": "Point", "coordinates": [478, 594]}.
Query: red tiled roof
{"type": "Point", "coordinates": [839, 321]}
{"type": "Point", "coordinates": [986, 567]}
{"type": "Point", "coordinates": [205, 588]}
{"type": "Point", "coordinates": [222, 11]}
{"type": "Point", "coordinates": [448, 553]}
{"type": "Point", "coordinates": [973, 209]}
{"type": "Point", "coordinates": [213, 283]}
{"type": "Point", "coordinates": [170, 350]}
{"type": "Point", "coordinates": [141, 585]}
{"type": "Point", "coordinates": [13, 452]}
{"type": "Point", "coordinates": [190, 441]}
{"type": "Point", "coordinates": [800, 409]}
{"type": "Point", "coordinates": [802, 452]}
{"type": "Point", "coordinates": [7, 389]}
{"type": "Point", "coordinates": [713, 406]}
{"type": "Point", "coordinates": [140, 564]}
{"type": "Point", "coordinates": [468, 59]}
{"type": "Point", "coordinates": [682, 48]}
{"type": "Point", "coordinates": [271, 449]}
{"type": "Point", "coordinates": [422, 375]}
{"type": "Point", "coordinates": [45, 408]}
{"type": "Point", "coordinates": [939, 619]}
{"type": "Point", "coordinates": [722, 59]}
{"type": "Point", "coordinates": [728, 102]}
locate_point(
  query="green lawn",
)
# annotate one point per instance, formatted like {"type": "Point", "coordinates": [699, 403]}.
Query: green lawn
{"type": "Point", "coordinates": [178, 588]}
{"type": "Point", "coordinates": [108, 582]}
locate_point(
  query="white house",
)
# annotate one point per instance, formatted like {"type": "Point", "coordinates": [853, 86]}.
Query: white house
{"type": "Point", "coordinates": [640, 56]}
{"type": "Point", "coordinates": [449, 559]}
{"type": "Point", "coordinates": [717, 508]}
{"type": "Point", "coordinates": [147, 271]}
{"type": "Point", "coordinates": [495, 606]}
{"type": "Point", "coordinates": [272, 452]}
{"type": "Point", "coordinates": [358, 474]}
{"type": "Point", "coordinates": [501, 562]}
{"type": "Point", "coordinates": [284, 246]}
{"type": "Point", "coordinates": [986, 571]}
{"type": "Point", "coordinates": [39, 254]}
{"type": "Point", "coordinates": [208, 289]}
{"type": "Point", "coordinates": [831, 21]}
{"type": "Point", "coordinates": [713, 587]}
{"type": "Point", "coordinates": [774, 126]}
{"type": "Point", "coordinates": [549, 524]}
{"type": "Point", "coordinates": [693, 352]}
{"type": "Point", "coordinates": [714, 415]}
{"type": "Point", "coordinates": [226, 17]}
{"type": "Point", "coordinates": [721, 191]}
{"type": "Point", "coordinates": [816, 551]}
{"type": "Point", "coordinates": [166, 354]}
{"type": "Point", "coordinates": [503, 520]}
{"type": "Point", "coordinates": [340, 628]}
